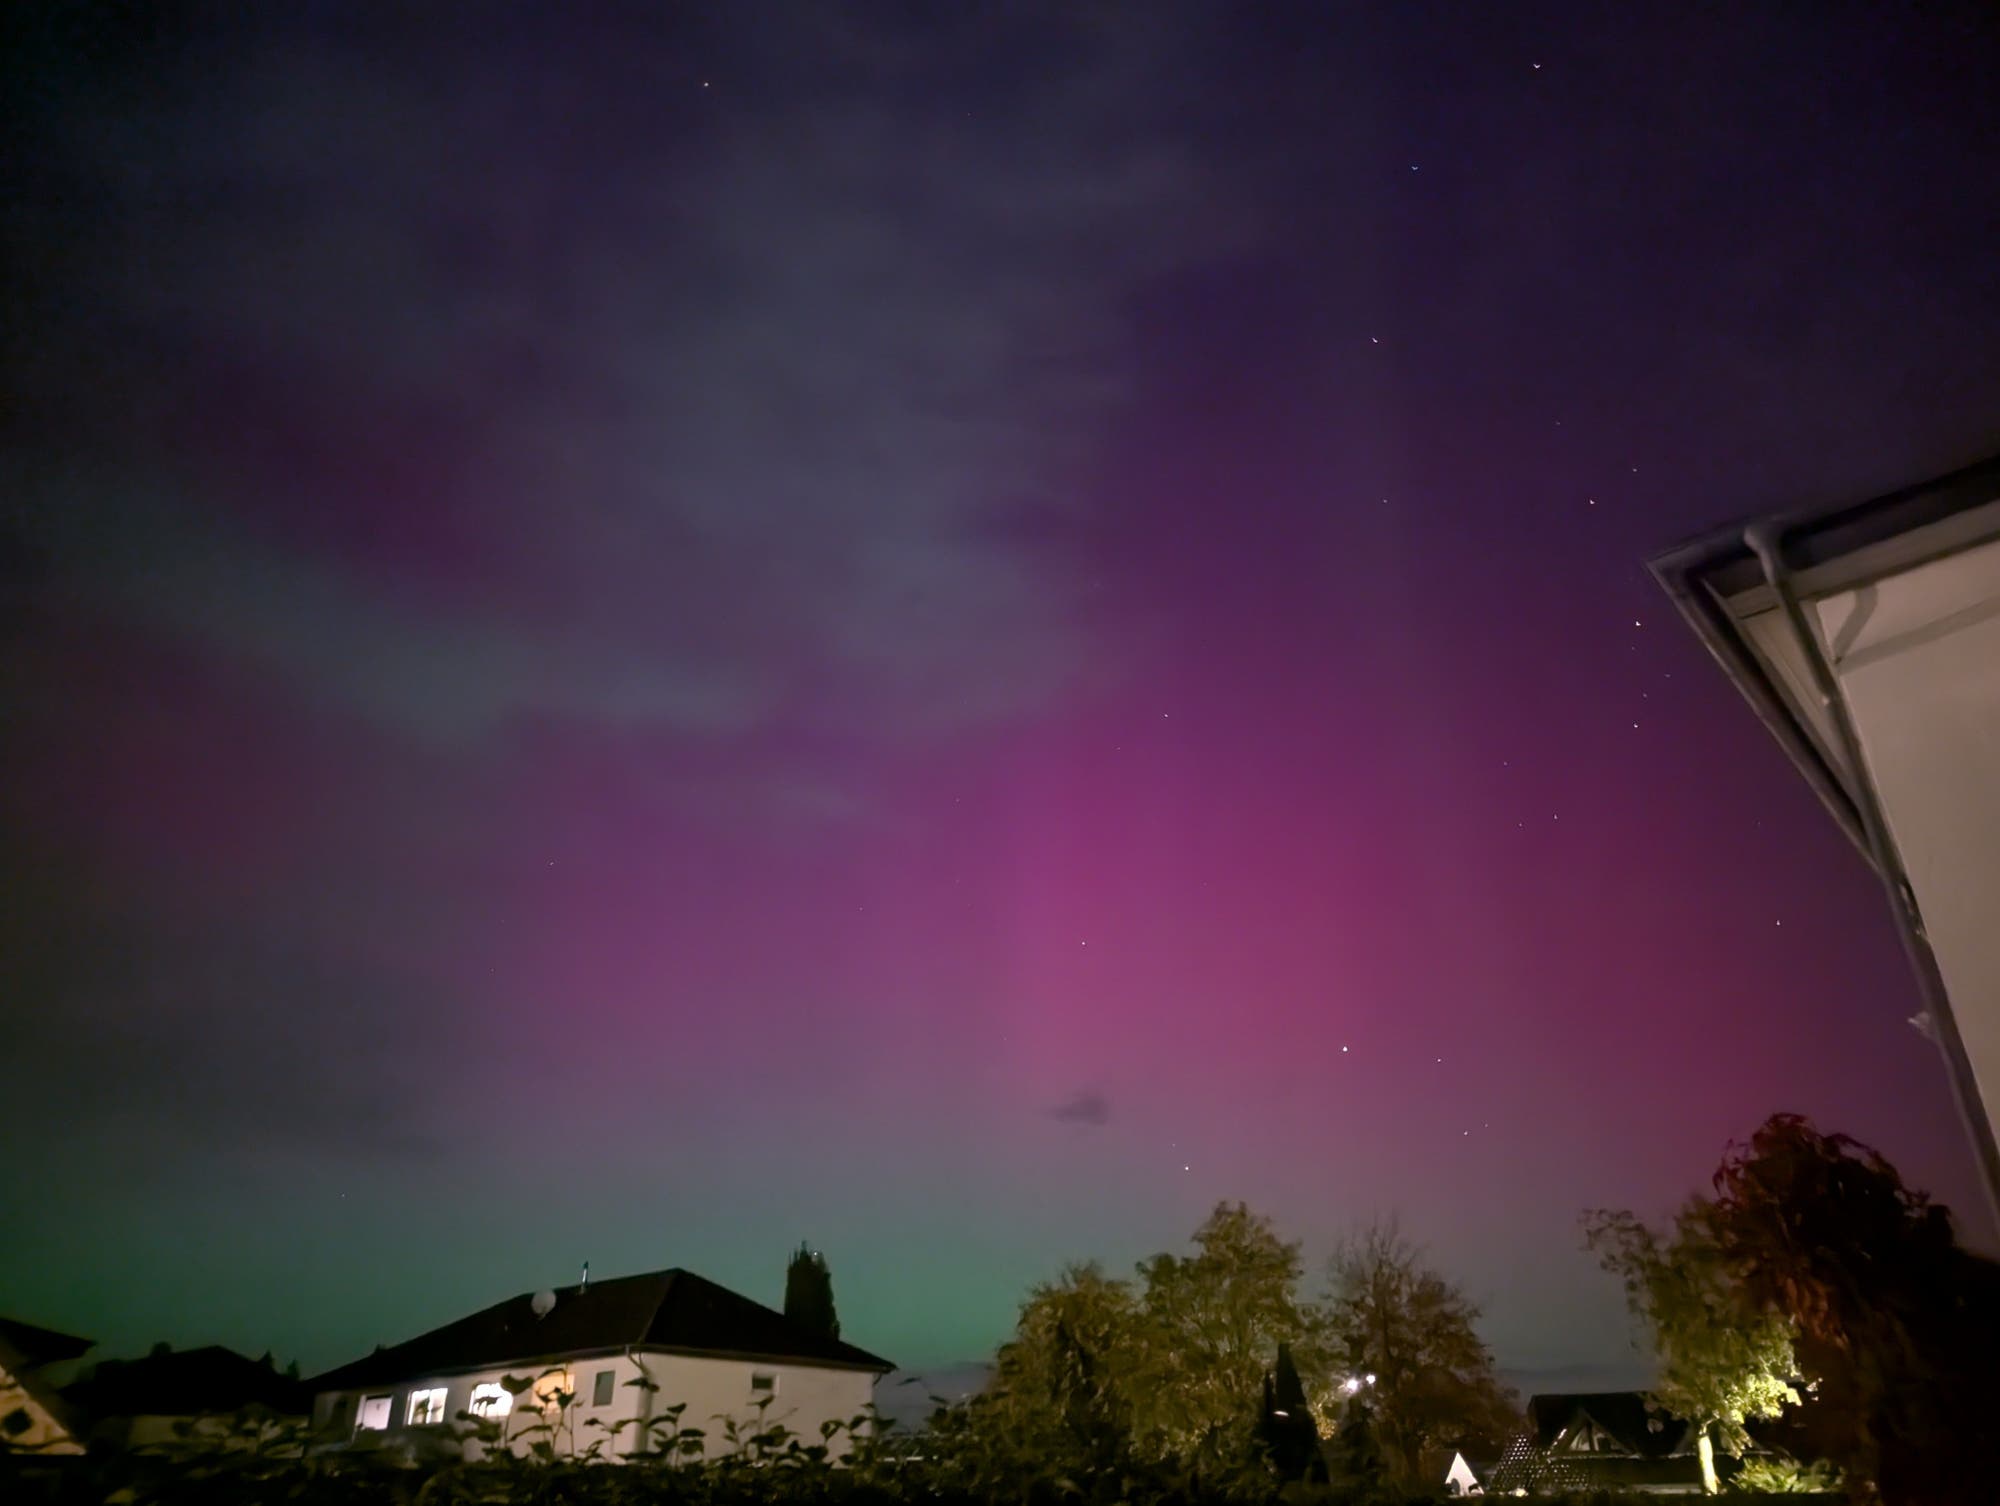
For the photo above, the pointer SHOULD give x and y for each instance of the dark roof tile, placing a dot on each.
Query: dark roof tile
(187, 1383)
(672, 1310)
(40, 1346)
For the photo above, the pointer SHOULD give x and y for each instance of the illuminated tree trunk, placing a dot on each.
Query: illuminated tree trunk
(1705, 1448)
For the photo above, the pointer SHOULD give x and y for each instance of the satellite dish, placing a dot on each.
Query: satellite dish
(542, 1302)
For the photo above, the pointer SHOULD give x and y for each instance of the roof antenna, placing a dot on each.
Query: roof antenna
(586, 1277)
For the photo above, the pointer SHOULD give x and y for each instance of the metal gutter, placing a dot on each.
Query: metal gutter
(1767, 542)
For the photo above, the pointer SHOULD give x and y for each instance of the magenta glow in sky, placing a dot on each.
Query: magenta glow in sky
(637, 642)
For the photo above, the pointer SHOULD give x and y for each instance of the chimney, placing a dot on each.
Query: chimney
(586, 1278)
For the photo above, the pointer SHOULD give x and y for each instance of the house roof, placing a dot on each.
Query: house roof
(187, 1383)
(34, 1346)
(672, 1310)
(1717, 583)
(24, 1350)
(1654, 1457)
(1865, 635)
(1640, 1430)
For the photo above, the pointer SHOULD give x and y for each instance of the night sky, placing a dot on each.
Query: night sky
(635, 635)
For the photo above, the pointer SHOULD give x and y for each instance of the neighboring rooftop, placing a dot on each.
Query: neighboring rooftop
(1624, 1415)
(187, 1383)
(34, 1346)
(673, 1310)
(1596, 1440)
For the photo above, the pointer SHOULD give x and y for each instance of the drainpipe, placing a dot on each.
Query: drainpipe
(1767, 543)
(641, 1439)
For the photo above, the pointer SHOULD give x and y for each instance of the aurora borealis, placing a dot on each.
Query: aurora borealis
(633, 637)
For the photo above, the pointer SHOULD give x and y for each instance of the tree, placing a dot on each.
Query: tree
(809, 1293)
(1390, 1316)
(1063, 1386)
(1287, 1429)
(1894, 1321)
(1722, 1359)
(1169, 1369)
(1813, 1261)
(1358, 1465)
(1210, 1321)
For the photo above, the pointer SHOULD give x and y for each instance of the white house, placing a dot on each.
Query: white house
(1461, 1480)
(211, 1395)
(718, 1356)
(33, 1418)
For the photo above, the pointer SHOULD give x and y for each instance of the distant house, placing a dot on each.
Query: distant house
(176, 1394)
(33, 1417)
(1462, 1477)
(717, 1355)
(1600, 1440)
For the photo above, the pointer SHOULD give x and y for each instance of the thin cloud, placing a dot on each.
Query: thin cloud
(782, 416)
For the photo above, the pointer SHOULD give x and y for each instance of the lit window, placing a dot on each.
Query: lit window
(764, 1384)
(490, 1399)
(600, 1391)
(372, 1414)
(425, 1408)
(554, 1390)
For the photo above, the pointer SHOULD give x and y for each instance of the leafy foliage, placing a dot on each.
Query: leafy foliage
(1782, 1477)
(1211, 1323)
(1814, 1263)
(1391, 1316)
(1723, 1360)
(1894, 1321)
(1065, 1385)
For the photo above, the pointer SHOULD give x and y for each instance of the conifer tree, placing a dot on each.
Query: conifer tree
(809, 1293)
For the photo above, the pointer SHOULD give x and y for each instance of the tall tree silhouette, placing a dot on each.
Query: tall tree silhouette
(1289, 1433)
(809, 1292)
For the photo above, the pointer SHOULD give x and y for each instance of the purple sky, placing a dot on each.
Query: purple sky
(637, 640)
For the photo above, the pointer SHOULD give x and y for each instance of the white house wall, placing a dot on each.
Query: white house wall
(712, 1390)
(1918, 656)
(42, 1434)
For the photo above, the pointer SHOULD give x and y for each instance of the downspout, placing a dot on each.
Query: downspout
(1767, 543)
(642, 1438)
